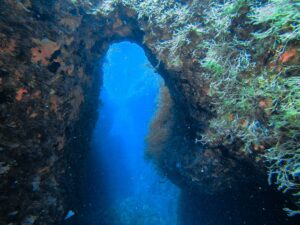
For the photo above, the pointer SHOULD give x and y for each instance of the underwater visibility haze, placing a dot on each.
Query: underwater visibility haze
(149, 112)
(134, 192)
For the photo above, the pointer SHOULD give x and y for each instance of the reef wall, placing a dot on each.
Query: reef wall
(219, 77)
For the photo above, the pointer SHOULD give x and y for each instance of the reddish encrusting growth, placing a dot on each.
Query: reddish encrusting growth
(288, 55)
(20, 93)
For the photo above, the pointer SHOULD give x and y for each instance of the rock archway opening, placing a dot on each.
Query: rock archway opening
(49, 93)
(120, 186)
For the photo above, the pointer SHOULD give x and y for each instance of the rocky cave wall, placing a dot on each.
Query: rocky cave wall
(49, 92)
(49, 82)
(49, 79)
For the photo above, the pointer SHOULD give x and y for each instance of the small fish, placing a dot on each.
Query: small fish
(69, 214)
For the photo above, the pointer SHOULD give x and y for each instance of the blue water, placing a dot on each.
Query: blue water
(125, 189)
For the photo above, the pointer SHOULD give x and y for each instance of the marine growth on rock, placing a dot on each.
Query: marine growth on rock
(225, 130)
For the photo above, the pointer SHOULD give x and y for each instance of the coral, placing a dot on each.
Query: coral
(43, 52)
(288, 55)
(20, 93)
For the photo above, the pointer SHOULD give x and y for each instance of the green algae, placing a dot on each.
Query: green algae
(259, 103)
(254, 92)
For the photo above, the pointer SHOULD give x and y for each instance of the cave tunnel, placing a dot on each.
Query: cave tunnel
(120, 186)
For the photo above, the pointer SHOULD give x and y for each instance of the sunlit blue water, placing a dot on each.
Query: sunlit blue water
(125, 189)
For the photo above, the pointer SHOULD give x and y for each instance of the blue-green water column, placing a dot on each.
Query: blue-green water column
(132, 190)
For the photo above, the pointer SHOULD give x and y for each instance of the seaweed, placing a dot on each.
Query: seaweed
(253, 78)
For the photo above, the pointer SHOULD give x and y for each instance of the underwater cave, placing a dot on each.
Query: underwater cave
(120, 186)
(149, 112)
